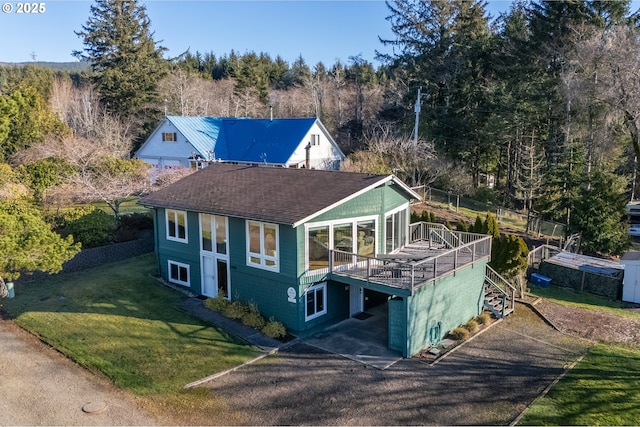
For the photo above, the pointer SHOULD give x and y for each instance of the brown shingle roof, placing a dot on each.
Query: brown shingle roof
(280, 195)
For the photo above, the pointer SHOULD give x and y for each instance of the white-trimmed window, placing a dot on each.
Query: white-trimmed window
(353, 236)
(316, 301)
(169, 137)
(262, 245)
(396, 230)
(179, 273)
(315, 139)
(177, 225)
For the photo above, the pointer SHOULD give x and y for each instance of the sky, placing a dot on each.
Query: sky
(320, 31)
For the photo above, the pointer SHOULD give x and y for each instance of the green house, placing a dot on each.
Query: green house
(312, 248)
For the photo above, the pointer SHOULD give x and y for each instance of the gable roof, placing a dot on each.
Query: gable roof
(245, 139)
(280, 195)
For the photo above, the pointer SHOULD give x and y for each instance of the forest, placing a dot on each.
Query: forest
(537, 109)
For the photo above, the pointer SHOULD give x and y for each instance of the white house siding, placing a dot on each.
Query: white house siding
(166, 155)
(322, 156)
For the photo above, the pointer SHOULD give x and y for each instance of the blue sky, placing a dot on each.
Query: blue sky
(320, 31)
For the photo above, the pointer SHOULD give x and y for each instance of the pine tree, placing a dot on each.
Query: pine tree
(126, 60)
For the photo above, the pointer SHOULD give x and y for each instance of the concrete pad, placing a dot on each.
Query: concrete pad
(364, 341)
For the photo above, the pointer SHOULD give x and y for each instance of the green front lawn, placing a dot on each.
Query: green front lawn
(118, 320)
(603, 389)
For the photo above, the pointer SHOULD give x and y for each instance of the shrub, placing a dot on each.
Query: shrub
(137, 220)
(484, 318)
(217, 304)
(459, 334)
(92, 229)
(253, 318)
(234, 310)
(274, 329)
(462, 225)
(471, 326)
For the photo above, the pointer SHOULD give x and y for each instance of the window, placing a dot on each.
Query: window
(169, 137)
(315, 139)
(316, 301)
(353, 237)
(318, 242)
(213, 228)
(176, 225)
(396, 230)
(179, 273)
(262, 245)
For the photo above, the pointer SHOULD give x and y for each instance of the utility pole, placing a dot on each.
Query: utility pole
(416, 108)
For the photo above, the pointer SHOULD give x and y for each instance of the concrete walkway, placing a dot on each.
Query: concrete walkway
(195, 307)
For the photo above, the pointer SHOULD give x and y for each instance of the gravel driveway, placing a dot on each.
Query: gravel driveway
(487, 381)
(39, 386)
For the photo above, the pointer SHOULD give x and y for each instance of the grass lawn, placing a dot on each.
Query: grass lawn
(603, 389)
(117, 320)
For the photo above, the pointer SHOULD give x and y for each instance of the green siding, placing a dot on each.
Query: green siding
(397, 324)
(265, 288)
(186, 253)
(375, 202)
(441, 306)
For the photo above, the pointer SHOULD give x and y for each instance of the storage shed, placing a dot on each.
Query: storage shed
(631, 283)
(585, 274)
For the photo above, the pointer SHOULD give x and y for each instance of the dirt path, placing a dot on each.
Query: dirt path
(39, 386)
(594, 325)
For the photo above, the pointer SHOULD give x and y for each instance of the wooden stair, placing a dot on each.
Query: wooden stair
(499, 294)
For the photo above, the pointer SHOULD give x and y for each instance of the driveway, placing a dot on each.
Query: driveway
(39, 386)
(489, 380)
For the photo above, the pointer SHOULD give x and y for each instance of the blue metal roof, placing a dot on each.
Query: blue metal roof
(244, 139)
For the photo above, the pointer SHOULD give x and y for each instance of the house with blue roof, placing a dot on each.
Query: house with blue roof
(188, 141)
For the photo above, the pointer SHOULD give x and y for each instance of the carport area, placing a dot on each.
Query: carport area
(363, 338)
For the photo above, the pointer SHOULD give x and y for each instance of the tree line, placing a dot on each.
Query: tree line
(544, 98)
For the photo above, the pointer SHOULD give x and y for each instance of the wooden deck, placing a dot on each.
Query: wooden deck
(416, 264)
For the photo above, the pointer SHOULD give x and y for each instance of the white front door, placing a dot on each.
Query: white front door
(355, 300)
(209, 282)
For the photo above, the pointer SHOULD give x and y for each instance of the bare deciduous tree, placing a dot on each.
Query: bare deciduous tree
(80, 108)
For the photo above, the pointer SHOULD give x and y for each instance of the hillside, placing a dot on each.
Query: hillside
(59, 66)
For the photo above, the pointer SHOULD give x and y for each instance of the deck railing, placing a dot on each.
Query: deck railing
(439, 234)
(502, 285)
(394, 271)
(539, 254)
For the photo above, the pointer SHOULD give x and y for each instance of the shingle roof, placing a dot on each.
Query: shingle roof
(280, 195)
(244, 139)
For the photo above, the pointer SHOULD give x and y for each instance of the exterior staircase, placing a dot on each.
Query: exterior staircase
(499, 294)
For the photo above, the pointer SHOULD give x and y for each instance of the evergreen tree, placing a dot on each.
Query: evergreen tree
(599, 212)
(26, 118)
(491, 226)
(26, 241)
(126, 60)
